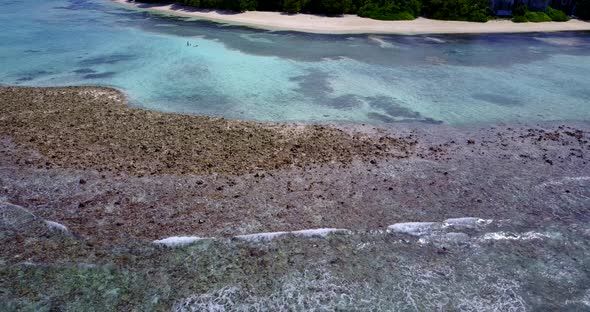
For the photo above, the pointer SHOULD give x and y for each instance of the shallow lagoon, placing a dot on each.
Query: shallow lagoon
(245, 73)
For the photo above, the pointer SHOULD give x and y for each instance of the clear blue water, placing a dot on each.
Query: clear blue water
(285, 76)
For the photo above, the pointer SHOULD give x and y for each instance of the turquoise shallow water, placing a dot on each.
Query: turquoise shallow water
(285, 76)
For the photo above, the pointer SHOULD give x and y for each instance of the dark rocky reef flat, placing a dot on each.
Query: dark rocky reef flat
(92, 128)
(118, 178)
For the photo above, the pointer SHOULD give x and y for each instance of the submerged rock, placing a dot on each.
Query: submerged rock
(17, 219)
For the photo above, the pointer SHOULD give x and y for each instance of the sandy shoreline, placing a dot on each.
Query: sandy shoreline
(352, 24)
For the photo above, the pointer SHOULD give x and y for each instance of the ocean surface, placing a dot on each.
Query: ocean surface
(177, 64)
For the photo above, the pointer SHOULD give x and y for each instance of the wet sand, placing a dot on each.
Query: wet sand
(352, 24)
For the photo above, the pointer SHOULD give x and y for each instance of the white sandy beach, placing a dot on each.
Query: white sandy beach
(352, 24)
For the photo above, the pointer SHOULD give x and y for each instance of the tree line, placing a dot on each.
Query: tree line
(460, 10)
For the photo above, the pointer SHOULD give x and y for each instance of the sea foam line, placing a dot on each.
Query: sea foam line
(563, 180)
(515, 236)
(322, 232)
(180, 241)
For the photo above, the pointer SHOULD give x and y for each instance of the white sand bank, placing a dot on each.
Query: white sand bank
(352, 24)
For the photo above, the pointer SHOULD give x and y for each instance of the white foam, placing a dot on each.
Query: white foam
(261, 236)
(178, 241)
(54, 226)
(382, 43)
(564, 180)
(515, 236)
(323, 232)
(415, 228)
(466, 222)
(586, 299)
(435, 40)
(319, 232)
(561, 41)
(448, 238)
(456, 237)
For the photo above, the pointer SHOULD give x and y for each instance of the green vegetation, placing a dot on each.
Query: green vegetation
(463, 10)
(522, 15)
(557, 15)
(292, 6)
(231, 5)
(460, 10)
(334, 7)
(390, 10)
(537, 17)
(583, 9)
(519, 19)
(519, 10)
